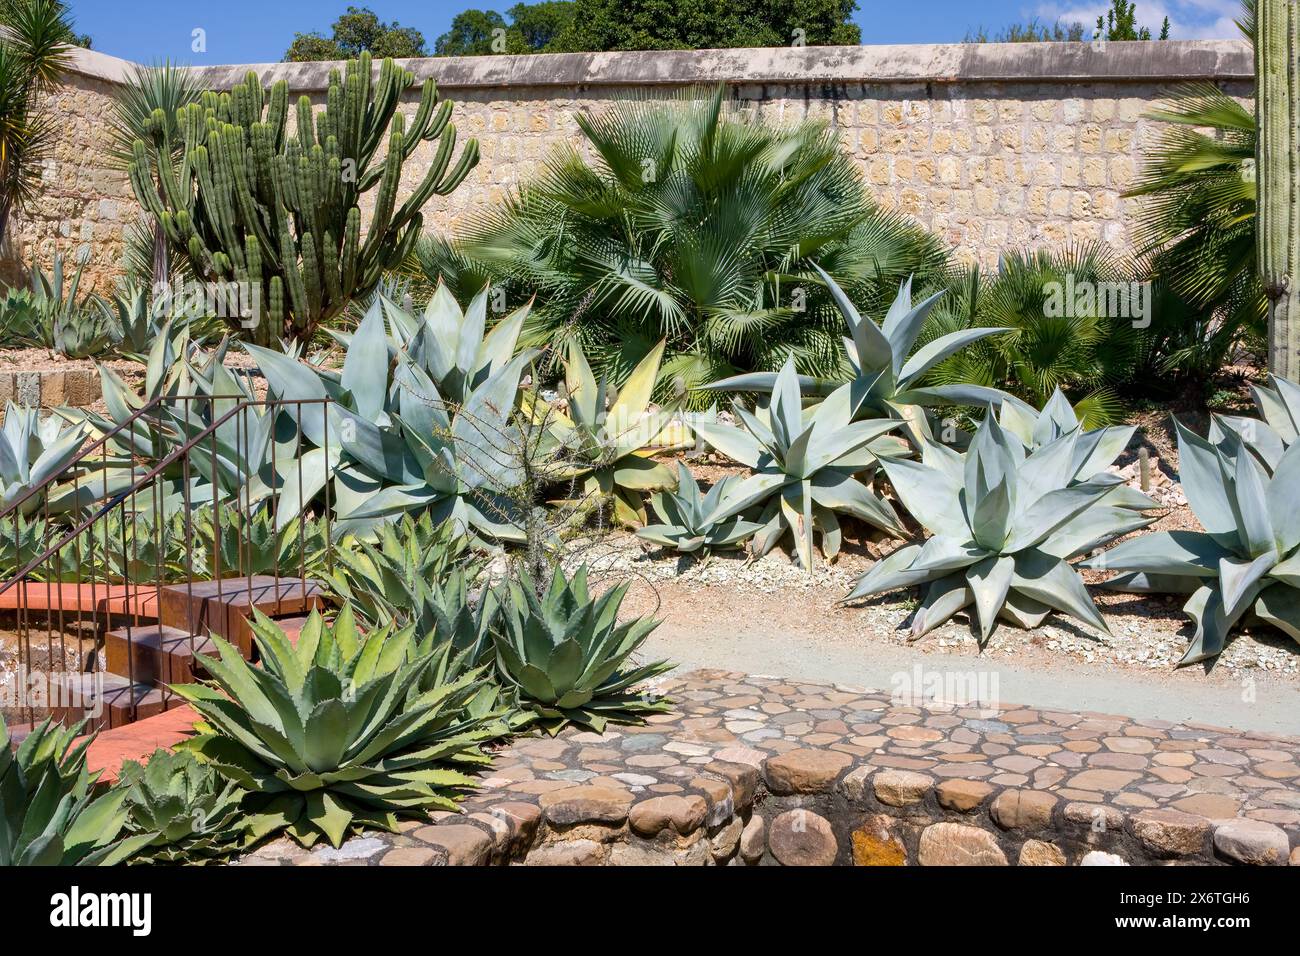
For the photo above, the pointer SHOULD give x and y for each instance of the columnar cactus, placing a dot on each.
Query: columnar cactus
(1277, 71)
(250, 203)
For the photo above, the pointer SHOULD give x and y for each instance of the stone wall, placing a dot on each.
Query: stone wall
(993, 146)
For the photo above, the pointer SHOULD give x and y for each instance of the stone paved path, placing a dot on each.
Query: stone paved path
(756, 770)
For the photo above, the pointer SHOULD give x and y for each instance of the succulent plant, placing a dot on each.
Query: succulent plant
(1004, 524)
(1095, 450)
(1246, 561)
(49, 812)
(605, 446)
(565, 651)
(687, 517)
(333, 733)
(32, 452)
(74, 327)
(187, 811)
(239, 541)
(886, 382)
(805, 462)
(139, 546)
(1269, 436)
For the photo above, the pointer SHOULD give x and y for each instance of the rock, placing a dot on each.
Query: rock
(585, 805)
(854, 784)
(901, 788)
(875, 843)
(802, 838)
(1252, 841)
(682, 814)
(1167, 832)
(464, 843)
(1040, 853)
(962, 795)
(411, 856)
(753, 839)
(523, 819)
(955, 844)
(1098, 858)
(743, 779)
(723, 844)
(568, 853)
(718, 794)
(807, 770)
(1023, 809)
(639, 854)
(1097, 817)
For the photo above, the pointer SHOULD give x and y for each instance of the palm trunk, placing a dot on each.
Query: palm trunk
(1277, 160)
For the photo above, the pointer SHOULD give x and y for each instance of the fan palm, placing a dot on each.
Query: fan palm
(694, 224)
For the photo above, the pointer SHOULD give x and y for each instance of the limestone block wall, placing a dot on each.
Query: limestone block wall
(994, 147)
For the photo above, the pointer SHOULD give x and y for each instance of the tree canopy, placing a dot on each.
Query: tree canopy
(356, 30)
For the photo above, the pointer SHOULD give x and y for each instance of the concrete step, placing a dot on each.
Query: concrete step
(224, 607)
(106, 700)
(157, 654)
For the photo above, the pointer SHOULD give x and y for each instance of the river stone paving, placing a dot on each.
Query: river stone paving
(757, 770)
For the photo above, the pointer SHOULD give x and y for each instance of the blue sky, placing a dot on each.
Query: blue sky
(248, 31)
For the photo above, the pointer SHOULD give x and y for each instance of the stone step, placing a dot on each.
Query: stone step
(223, 607)
(157, 654)
(106, 700)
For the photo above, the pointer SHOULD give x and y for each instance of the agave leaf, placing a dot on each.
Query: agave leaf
(365, 367)
(989, 581)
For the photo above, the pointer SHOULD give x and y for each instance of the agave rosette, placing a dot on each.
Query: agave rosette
(34, 451)
(1004, 523)
(805, 464)
(1269, 436)
(1246, 561)
(687, 516)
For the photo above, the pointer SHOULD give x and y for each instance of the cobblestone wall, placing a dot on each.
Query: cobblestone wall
(994, 147)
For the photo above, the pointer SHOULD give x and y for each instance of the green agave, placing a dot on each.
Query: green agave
(1095, 450)
(1269, 438)
(49, 812)
(236, 542)
(805, 462)
(1246, 561)
(608, 445)
(74, 327)
(687, 517)
(334, 733)
(187, 811)
(564, 652)
(32, 452)
(1004, 524)
(885, 382)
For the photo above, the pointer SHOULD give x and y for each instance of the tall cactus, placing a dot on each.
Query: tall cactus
(1277, 109)
(247, 202)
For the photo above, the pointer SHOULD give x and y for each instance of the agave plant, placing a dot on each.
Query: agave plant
(32, 452)
(241, 542)
(686, 516)
(805, 463)
(74, 327)
(1246, 561)
(49, 813)
(332, 733)
(187, 812)
(886, 382)
(396, 444)
(1269, 436)
(605, 447)
(1004, 525)
(564, 653)
(1095, 450)
(140, 545)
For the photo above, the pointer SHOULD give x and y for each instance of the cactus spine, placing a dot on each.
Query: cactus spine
(1277, 161)
(246, 201)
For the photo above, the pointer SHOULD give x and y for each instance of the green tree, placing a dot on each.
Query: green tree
(707, 24)
(533, 28)
(1120, 23)
(357, 30)
(471, 34)
(1033, 31)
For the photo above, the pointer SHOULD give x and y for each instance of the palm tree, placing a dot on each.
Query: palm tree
(1196, 226)
(35, 45)
(694, 223)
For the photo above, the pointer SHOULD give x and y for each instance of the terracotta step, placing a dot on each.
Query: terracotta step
(121, 599)
(106, 700)
(138, 741)
(223, 607)
(156, 654)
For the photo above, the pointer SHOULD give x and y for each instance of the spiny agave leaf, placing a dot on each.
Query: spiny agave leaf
(1204, 486)
(1206, 609)
(932, 353)
(1280, 500)
(1051, 581)
(873, 352)
(930, 495)
(634, 398)
(365, 366)
(989, 581)
(736, 443)
(990, 519)
(1240, 580)
(1279, 605)
(1247, 496)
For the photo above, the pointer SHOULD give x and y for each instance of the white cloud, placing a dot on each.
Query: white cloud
(1188, 19)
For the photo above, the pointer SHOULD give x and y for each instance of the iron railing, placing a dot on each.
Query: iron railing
(171, 464)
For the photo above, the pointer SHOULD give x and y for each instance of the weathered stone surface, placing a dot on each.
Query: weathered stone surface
(464, 844)
(955, 844)
(643, 854)
(681, 814)
(1252, 841)
(753, 839)
(962, 796)
(568, 853)
(724, 843)
(585, 805)
(807, 770)
(855, 783)
(876, 844)
(1099, 858)
(802, 838)
(1041, 853)
(1166, 832)
(412, 856)
(523, 820)
(901, 788)
(743, 779)
(1023, 809)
